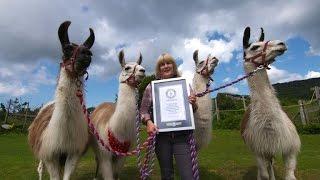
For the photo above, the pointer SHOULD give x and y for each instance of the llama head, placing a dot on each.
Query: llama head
(205, 67)
(76, 58)
(132, 73)
(261, 52)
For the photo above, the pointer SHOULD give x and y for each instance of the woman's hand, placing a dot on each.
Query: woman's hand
(193, 100)
(151, 128)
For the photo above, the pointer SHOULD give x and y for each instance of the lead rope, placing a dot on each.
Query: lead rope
(194, 160)
(146, 168)
(229, 84)
(94, 132)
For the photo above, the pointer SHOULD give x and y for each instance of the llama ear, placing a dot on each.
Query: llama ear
(195, 56)
(261, 35)
(209, 56)
(63, 33)
(121, 58)
(89, 42)
(140, 59)
(246, 37)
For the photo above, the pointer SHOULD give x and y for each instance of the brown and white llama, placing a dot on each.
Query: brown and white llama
(266, 128)
(116, 122)
(203, 115)
(59, 135)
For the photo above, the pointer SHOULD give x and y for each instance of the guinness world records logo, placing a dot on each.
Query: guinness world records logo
(171, 93)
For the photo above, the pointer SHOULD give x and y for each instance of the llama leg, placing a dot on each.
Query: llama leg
(70, 165)
(97, 168)
(262, 164)
(290, 162)
(53, 168)
(40, 169)
(117, 164)
(106, 166)
(270, 169)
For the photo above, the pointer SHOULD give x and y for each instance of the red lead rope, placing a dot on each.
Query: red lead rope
(100, 140)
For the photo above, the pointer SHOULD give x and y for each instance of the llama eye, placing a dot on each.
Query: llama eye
(253, 48)
(127, 68)
(201, 62)
(89, 53)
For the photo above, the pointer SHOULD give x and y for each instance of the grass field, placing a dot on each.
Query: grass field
(226, 158)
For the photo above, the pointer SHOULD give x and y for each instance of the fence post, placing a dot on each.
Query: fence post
(217, 109)
(317, 92)
(302, 112)
(25, 115)
(244, 103)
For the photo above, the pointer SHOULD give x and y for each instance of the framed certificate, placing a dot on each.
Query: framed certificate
(171, 108)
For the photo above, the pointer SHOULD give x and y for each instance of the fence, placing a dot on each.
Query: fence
(21, 119)
(303, 113)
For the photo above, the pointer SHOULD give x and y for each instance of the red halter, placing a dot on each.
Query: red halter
(263, 58)
(132, 76)
(71, 60)
(205, 68)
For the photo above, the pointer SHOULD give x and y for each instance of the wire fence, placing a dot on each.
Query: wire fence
(302, 113)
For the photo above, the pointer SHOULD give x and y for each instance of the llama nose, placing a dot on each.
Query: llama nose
(281, 44)
(142, 70)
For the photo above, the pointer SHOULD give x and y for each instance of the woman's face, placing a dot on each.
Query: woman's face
(166, 70)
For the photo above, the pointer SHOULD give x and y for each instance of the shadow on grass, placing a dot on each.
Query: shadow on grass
(252, 172)
(132, 173)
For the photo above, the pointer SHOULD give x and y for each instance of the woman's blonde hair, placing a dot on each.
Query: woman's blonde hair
(166, 58)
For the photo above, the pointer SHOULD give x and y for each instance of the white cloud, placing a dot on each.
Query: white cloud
(312, 74)
(152, 27)
(20, 79)
(15, 89)
(231, 89)
(226, 79)
(279, 75)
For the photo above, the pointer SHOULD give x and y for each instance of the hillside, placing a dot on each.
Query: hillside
(291, 92)
(288, 93)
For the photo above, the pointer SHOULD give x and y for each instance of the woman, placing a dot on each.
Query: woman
(168, 144)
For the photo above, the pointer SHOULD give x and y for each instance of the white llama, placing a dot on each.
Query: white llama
(266, 128)
(116, 122)
(59, 134)
(203, 115)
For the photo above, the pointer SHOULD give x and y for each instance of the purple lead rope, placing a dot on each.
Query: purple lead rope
(229, 84)
(194, 160)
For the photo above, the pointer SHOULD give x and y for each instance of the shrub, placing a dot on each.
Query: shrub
(309, 129)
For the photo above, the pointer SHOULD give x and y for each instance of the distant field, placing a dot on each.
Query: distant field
(226, 158)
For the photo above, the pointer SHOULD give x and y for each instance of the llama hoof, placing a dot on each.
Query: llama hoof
(290, 177)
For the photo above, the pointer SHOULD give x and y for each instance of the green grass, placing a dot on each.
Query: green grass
(226, 158)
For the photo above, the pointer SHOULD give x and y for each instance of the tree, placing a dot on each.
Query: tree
(144, 83)
(2, 107)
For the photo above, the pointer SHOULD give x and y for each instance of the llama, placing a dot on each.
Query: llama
(59, 135)
(203, 115)
(116, 122)
(265, 127)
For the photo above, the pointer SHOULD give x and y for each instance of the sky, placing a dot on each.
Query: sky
(30, 51)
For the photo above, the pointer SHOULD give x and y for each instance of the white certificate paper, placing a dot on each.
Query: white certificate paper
(172, 103)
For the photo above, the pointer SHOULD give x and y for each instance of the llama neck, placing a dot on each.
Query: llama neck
(203, 114)
(66, 101)
(67, 87)
(122, 122)
(199, 82)
(261, 90)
